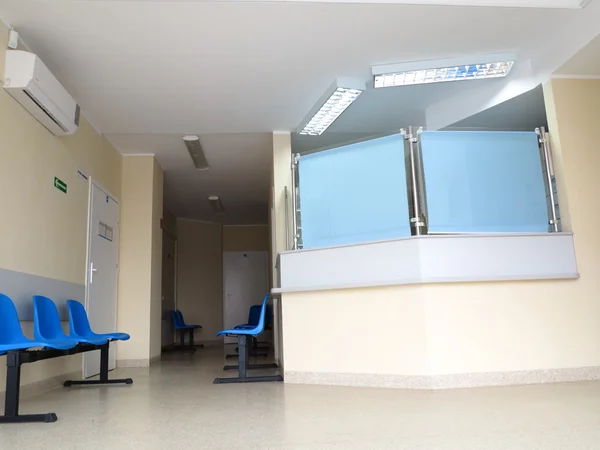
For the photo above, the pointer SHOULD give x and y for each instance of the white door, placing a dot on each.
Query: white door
(245, 283)
(103, 254)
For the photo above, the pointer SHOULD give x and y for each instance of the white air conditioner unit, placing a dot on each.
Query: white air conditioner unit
(30, 82)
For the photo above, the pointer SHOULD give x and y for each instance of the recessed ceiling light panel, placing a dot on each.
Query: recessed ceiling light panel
(427, 72)
(331, 105)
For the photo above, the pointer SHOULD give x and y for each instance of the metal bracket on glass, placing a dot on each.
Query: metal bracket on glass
(416, 222)
(414, 178)
(546, 154)
(295, 209)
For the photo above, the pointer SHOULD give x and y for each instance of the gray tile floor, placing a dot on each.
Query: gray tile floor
(174, 405)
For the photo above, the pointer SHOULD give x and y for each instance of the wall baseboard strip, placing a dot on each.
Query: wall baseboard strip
(37, 387)
(134, 362)
(450, 381)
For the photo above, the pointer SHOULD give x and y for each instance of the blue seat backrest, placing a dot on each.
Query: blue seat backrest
(269, 316)
(46, 321)
(79, 322)
(180, 317)
(254, 314)
(263, 312)
(176, 320)
(10, 327)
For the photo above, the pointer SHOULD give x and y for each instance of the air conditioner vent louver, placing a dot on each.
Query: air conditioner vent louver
(50, 116)
(32, 85)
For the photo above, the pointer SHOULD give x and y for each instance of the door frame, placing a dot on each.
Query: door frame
(175, 256)
(91, 183)
(224, 299)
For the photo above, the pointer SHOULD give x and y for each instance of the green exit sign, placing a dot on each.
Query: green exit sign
(60, 185)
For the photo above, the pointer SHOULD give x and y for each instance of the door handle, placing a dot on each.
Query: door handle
(92, 270)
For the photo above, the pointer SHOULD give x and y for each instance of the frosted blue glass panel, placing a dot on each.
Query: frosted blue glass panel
(355, 193)
(484, 182)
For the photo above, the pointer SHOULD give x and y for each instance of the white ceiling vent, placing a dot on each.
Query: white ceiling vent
(192, 142)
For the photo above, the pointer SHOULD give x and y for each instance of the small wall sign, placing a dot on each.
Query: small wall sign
(60, 185)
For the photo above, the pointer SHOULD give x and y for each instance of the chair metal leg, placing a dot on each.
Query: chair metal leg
(244, 356)
(248, 379)
(244, 353)
(13, 384)
(254, 352)
(104, 353)
(192, 345)
(253, 366)
(29, 418)
(13, 391)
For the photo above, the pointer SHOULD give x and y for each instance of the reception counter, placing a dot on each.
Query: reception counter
(441, 311)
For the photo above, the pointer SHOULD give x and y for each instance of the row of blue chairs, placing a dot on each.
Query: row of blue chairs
(256, 348)
(183, 328)
(47, 328)
(49, 341)
(244, 334)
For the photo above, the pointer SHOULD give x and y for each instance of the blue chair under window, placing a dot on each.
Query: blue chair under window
(256, 348)
(244, 335)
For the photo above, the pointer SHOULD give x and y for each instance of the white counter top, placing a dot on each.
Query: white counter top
(430, 259)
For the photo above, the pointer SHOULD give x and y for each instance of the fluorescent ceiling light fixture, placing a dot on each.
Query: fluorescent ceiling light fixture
(439, 71)
(192, 142)
(331, 105)
(216, 204)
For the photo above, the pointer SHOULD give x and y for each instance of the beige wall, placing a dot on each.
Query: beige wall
(245, 238)
(475, 327)
(45, 230)
(200, 276)
(156, 270)
(281, 179)
(355, 331)
(140, 260)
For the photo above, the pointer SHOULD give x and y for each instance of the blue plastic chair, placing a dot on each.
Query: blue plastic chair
(254, 317)
(46, 323)
(249, 330)
(178, 321)
(182, 322)
(11, 334)
(244, 334)
(182, 327)
(79, 325)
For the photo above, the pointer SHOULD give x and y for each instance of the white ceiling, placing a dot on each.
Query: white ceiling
(586, 63)
(147, 72)
(526, 112)
(239, 174)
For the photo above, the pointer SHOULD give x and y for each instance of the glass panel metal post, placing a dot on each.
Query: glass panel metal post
(548, 166)
(415, 183)
(295, 204)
